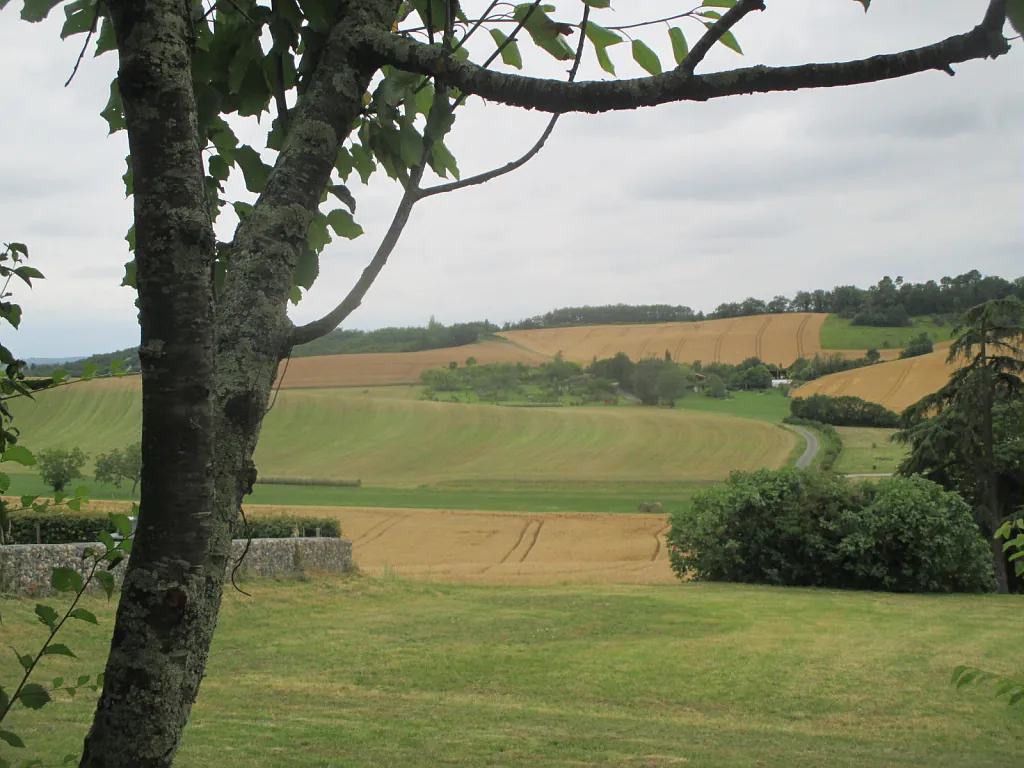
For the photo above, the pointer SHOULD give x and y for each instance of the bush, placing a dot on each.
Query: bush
(802, 528)
(919, 345)
(63, 528)
(845, 411)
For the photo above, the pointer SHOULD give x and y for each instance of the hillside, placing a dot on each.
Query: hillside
(777, 339)
(896, 384)
(344, 434)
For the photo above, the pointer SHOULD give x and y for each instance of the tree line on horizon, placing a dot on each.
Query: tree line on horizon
(888, 303)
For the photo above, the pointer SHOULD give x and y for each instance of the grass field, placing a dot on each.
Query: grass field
(773, 338)
(867, 450)
(382, 672)
(769, 405)
(895, 384)
(837, 333)
(392, 442)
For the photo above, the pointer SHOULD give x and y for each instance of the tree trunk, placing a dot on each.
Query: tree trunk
(206, 380)
(155, 655)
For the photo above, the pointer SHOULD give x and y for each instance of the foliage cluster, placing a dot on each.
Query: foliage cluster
(285, 527)
(919, 345)
(843, 411)
(809, 369)
(608, 314)
(409, 339)
(832, 441)
(60, 466)
(120, 465)
(803, 528)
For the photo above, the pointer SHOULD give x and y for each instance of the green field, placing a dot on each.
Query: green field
(837, 333)
(770, 405)
(365, 672)
(402, 443)
(867, 450)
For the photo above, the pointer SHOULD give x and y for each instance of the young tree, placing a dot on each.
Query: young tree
(673, 382)
(213, 315)
(715, 387)
(59, 466)
(967, 436)
(120, 465)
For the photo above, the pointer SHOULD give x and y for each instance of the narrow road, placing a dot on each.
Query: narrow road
(812, 446)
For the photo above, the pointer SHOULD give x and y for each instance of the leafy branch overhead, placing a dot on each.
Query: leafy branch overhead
(236, 75)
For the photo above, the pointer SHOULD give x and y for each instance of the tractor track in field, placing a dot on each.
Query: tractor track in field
(533, 541)
(800, 336)
(898, 383)
(721, 340)
(378, 530)
(759, 338)
(657, 540)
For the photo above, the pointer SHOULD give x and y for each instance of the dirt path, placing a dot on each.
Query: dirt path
(812, 446)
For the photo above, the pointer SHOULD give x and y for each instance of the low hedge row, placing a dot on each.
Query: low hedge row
(62, 528)
(833, 445)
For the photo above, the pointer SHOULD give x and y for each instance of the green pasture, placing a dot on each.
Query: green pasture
(768, 405)
(392, 442)
(867, 450)
(837, 333)
(365, 672)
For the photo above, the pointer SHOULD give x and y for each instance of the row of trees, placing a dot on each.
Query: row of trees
(59, 467)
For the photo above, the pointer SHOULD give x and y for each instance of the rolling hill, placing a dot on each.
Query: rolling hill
(777, 339)
(385, 441)
(896, 384)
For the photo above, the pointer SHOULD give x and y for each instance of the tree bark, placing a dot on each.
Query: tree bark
(206, 380)
(154, 658)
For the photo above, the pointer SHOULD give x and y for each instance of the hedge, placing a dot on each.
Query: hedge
(844, 411)
(62, 528)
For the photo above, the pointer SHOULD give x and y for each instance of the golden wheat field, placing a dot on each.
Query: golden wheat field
(895, 384)
(364, 370)
(777, 339)
(494, 547)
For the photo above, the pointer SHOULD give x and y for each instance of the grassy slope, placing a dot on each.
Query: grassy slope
(405, 443)
(837, 333)
(868, 450)
(769, 405)
(362, 672)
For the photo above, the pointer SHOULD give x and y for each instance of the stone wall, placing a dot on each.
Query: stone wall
(25, 568)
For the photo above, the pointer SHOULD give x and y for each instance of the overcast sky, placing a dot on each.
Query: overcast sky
(692, 204)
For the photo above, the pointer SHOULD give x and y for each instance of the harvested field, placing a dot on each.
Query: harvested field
(895, 384)
(396, 367)
(502, 547)
(773, 338)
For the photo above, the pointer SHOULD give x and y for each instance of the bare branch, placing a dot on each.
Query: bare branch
(715, 32)
(482, 178)
(314, 330)
(984, 41)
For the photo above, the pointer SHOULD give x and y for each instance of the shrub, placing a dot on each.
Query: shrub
(919, 345)
(284, 527)
(845, 411)
(802, 528)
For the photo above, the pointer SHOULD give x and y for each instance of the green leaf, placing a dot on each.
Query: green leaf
(253, 168)
(344, 194)
(37, 10)
(865, 3)
(679, 46)
(34, 696)
(342, 223)
(107, 40)
(646, 58)
(106, 580)
(546, 33)
(12, 738)
(79, 16)
(307, 270)
(129, 273)
(598, 3)
(719, 3)
(729, 41)
(1014, 14)
(58, 682)
(47, 615)
(122, 523)
(363, 162)
(113, 112)
(25, 660)
(66, 580)
(4, 699)
(510, 53)
(19, 454)
(84, 615)
(107, 540)
(59, 649)
(602, 39)
(126, 546)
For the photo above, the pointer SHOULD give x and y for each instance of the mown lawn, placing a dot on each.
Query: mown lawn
(769, 405)
(365, 672)
(837, 333)
(867, 450)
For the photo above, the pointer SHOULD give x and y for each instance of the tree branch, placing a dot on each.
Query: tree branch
(984, 41)
(314, 330)
(482, 178)
(715, 32)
